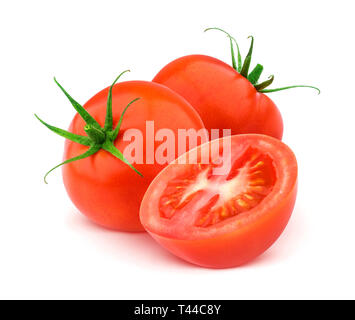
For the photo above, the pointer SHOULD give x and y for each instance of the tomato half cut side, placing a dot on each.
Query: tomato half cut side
(223, 218)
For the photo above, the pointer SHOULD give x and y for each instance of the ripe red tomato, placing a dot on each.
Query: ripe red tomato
(225, 220)
(104, 188)
(222, 97)
(226, 97)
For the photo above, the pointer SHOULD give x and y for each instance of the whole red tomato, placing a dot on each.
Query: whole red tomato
(106, 189)
(225, 97)
(223, 220)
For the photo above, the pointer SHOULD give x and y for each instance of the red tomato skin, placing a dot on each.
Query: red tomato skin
(102, 187)
(255, 234)
(223, 98)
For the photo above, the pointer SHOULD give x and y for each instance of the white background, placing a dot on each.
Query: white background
(49, 250)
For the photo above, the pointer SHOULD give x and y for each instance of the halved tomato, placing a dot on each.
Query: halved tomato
(221, 214)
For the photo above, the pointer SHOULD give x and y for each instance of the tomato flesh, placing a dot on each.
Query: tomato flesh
(212, 199)
(227, 219)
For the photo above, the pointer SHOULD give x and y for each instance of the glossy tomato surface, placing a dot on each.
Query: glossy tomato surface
(104, 188)
(223, 98)
(223, 219)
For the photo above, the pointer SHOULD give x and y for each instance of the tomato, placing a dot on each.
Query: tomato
(226, 219)
(104, 188)
(224, 96)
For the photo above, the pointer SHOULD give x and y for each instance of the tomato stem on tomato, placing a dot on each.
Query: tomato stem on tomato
(109, 146)
(91, 151)
(231, 39)
(264, 84)
(108, 120)
(97, 137)
(245, 68)
(289, 87)
(82, 112)
(67, 135)
(254, 75)
(118, 127)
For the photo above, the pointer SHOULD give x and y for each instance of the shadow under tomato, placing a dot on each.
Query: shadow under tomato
(141, 249)
(287, 244)
(137, 247)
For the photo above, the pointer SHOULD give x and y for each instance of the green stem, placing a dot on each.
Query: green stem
(254, 76)
(289, 87)
(264, 84)
(108, 146)
(118, 127)
(66, 134)
(82, 112)
(108, 120)
(247, 60)
(231, 39)
(86, 154)
(98, 136)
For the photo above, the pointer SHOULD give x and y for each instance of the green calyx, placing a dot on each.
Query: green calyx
(254, 75)
(97, 137)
